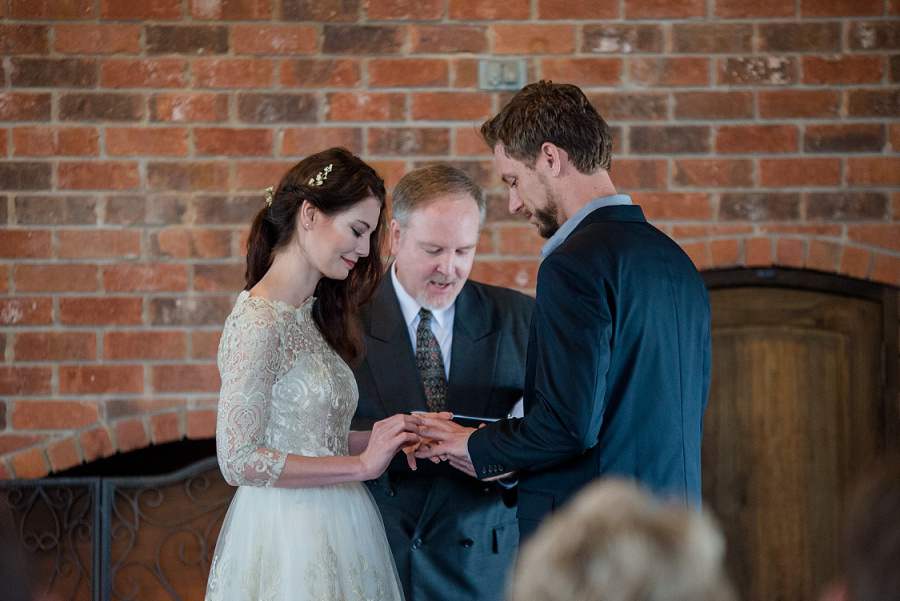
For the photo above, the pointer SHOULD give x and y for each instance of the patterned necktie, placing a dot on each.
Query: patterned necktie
(431, 363)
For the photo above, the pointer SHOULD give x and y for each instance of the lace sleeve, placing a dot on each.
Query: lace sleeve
(248, 363)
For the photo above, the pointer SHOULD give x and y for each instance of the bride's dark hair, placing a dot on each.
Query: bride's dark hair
(348, 182)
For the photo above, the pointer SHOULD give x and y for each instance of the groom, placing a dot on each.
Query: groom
(452, 537)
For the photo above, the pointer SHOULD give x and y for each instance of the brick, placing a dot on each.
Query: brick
(144, 277)
(664, 9)
(465, 72)
(187, 108)
(799, 172)
(235, 210)
(200, 423)
(874, 35)
(488, 10)
(127, 10)
(846, 205)
(583, 71)
(24, 39)
(448, 39)
(25, 244)
(149, 210)
(6, 472)
(852, 137)
(675, 139)
(146, 141)
(101, 106)
(29, 464)
(143, 73)
(221, 277)
(757, 252)
(187, 176)
(233, 72)
(855, 262)
(205, 345)
(301, 140)
(894, 68)
(191, 311)
(621, 38)
(390, 171)
(712, 38)
(96, 443)
(717, 173)
(632, 174)
(519, 240)
(51, 9)
(55, 141)
(840, 8)
(880, 236)
(25, 175)
(16, 381)
(104, 175)
(185, 378)
(790, 252)
(680, 206)
(405, 141)
(635, 106)
(101, 379)
(771, 70)
(799, 36)
(54, 415)
(26, 311)
(63, 454)
(714, 105)
(756, 139)
(724, 253)
(366, 106)
(315, 10)
(186, 39)
(759, 206)
(166, 428)
(842, 69)
(583, 9)
(100, 311)
(669, 72)
(319, 73)
(275, 39)
(97, 38)
(15, 442)
(534, 39)
(803, 229)
(52, 210)
(894, 135)
(451, 106)
(144, 344)
(467, 142)
(873, 103)
(741, 9)
(873, 171)
(259, 175)
(886, 269)
(408, 72)
(19, 106)
(511, 273)
(98, 244)
(362, 39)
(139, 407)
(231, 10)
(55, 277)
(698, 253)
(47, 72)
(411, 10)
(804, 104)
(277, 108)
(55, 346)
(130, 435)
(176, 242)
(227, 141)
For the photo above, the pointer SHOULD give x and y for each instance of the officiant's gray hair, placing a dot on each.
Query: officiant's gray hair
(422, 186)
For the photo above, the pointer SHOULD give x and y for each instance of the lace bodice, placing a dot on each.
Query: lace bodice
(284, 390)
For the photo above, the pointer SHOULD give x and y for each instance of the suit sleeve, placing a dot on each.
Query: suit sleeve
(571, 347)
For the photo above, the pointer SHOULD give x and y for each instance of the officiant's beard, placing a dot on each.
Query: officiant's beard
(437, 300)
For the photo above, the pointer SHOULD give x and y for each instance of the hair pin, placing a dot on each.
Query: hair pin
(320, 177)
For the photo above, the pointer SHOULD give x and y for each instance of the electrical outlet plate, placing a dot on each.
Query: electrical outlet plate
(494, 74)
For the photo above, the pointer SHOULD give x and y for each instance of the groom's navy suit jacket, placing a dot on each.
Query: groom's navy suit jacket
(618, 369)
(452, 536)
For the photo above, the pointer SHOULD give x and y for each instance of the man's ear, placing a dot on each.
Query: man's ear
(394, 236)
(550, 158)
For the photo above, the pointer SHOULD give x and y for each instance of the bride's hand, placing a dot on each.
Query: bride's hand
(389, 436)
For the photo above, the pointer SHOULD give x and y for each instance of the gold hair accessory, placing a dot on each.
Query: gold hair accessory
(320, 177)
(270, 195)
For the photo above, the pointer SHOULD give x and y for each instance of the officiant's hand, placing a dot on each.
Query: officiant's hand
(448, 441)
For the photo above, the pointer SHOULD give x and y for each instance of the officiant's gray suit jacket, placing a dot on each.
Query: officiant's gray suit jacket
(453, 537)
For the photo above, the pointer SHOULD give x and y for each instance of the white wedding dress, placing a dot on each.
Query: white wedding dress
(285, 390)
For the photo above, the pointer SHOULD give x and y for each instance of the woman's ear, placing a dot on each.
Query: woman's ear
(307, 214)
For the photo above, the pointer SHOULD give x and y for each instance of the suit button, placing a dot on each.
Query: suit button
(390, 492)
(417, 543)
(467, 543)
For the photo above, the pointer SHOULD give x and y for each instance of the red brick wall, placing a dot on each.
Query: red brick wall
(138, 136)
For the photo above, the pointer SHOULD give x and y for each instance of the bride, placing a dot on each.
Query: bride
(301, 525)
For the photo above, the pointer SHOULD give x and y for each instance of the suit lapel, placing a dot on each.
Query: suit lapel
(474, 354)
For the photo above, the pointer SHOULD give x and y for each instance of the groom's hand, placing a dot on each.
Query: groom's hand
(448, 441)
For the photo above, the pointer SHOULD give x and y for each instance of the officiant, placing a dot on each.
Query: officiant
(436, 341)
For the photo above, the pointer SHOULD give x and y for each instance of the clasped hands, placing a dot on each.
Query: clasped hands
(442, 440)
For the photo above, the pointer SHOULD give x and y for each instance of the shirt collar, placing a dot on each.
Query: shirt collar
(410, 307)
(573, 221)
